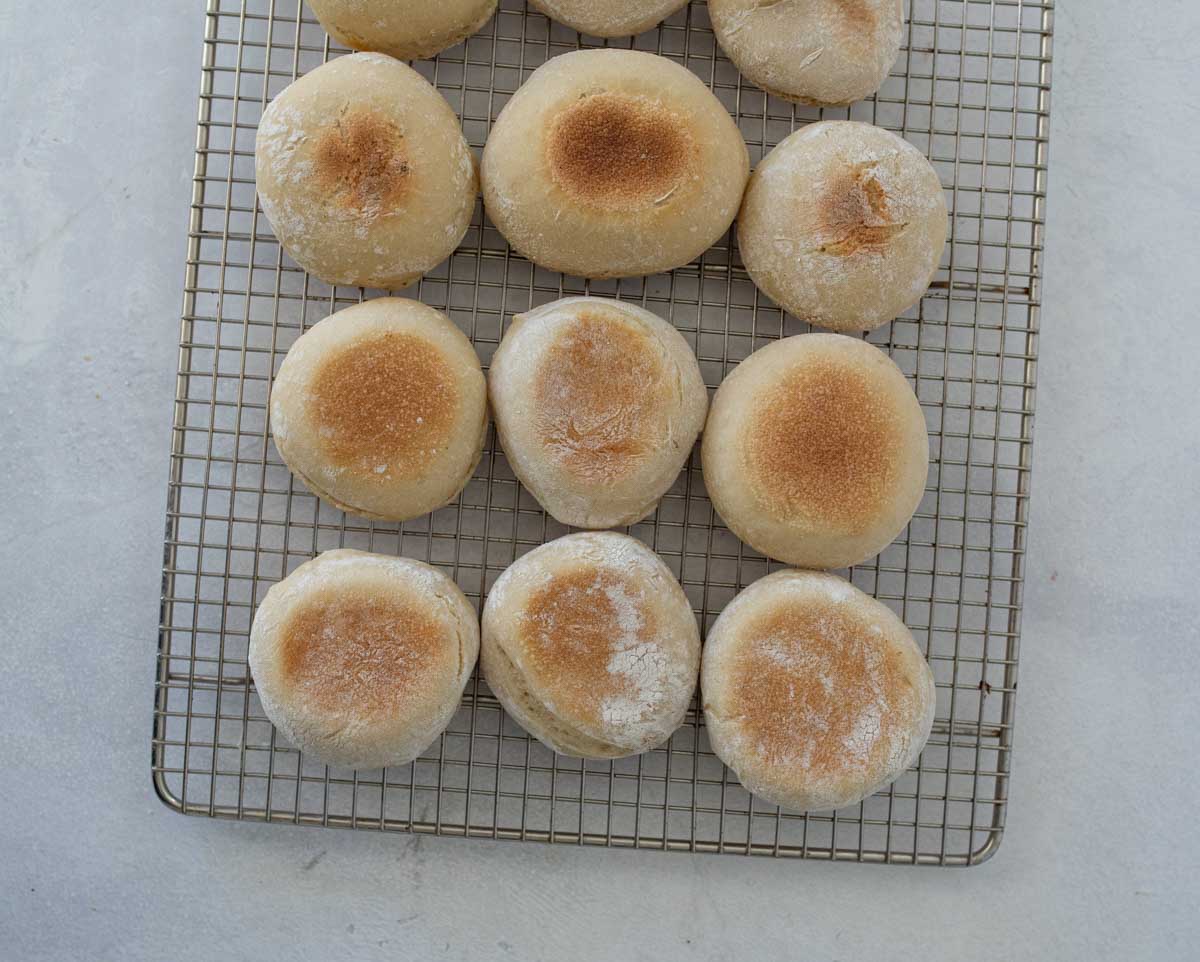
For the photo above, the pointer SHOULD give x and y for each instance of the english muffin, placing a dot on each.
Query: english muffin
(613, 163)
(816, 451)
(815, 694)
(591, 645)
(381, 409)
(598, 404)
(364, 174)
(361, 659)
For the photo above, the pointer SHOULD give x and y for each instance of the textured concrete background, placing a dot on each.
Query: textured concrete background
(97, 110)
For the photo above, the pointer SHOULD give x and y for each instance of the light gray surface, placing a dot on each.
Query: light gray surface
(97, 114)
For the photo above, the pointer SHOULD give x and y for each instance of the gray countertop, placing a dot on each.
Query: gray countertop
(1099, 859)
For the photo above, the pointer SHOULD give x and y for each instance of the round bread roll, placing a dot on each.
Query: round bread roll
(843, 225)
(815, 451)
(815, 694)
(361, 659)
(364, 174)
(405, 29)
(821, 52)
(381, 409)
(613, 163)
(609, 18)
(590, 644)
(597, 404)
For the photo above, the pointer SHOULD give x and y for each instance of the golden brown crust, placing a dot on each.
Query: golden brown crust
(570, 629)
(597, 391)
(362, 162)
(858, 14)
(618, 152)
(816, 687)
(852, 214)
(358, 653)
(387, 401)
(825, 441)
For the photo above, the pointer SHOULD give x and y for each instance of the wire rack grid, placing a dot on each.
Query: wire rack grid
(971, 90)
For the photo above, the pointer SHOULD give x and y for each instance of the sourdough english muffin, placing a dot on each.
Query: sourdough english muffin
(609, 18)
(598, 404)
(362, 659)
(364, 174)
(381, 409)
(820, 52)
(591, 645)
(815, 451)
(406, 29)
(613, 163)
(815, 694)
(843, 225)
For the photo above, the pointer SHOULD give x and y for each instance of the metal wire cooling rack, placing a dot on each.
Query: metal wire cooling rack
(971, 90)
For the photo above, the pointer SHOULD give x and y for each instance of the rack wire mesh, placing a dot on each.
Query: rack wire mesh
(971, 90)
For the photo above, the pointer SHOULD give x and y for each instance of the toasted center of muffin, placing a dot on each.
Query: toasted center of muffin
(818, 689)
(853, 213)
(601, 392)
(360, 654)
(363, 162)
(858, 13)
(385, 405)
(618, 152)
(824, 443)
(589, 642)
